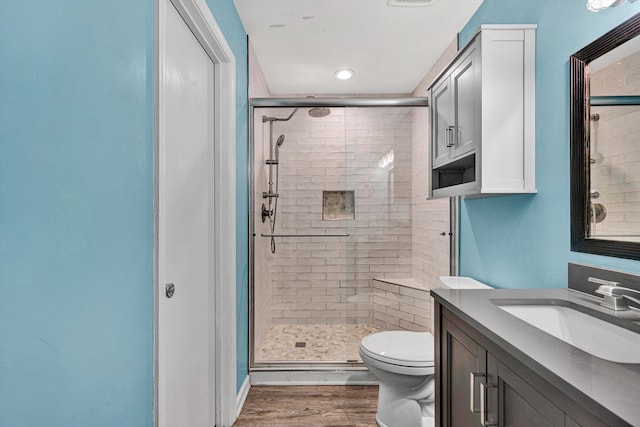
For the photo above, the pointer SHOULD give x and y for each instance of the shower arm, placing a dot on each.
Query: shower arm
(279, 119)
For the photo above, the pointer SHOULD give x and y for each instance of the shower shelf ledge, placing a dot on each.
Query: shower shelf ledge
(305, 235)
(407, 283)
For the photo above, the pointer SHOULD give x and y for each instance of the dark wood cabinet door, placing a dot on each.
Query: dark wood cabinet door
(518, 403)
(461, 357)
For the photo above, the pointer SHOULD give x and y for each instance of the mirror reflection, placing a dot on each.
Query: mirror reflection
(614, 144)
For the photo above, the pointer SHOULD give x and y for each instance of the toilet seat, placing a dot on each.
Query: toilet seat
(400, 348)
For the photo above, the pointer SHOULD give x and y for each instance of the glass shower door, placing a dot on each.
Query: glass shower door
(337, 251)
(301, 247)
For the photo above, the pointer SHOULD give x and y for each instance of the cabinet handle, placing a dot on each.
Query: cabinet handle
(483, 406)
(450, 139)
(472, 389)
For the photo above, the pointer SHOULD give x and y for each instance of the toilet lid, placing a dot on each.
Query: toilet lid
(400, 347)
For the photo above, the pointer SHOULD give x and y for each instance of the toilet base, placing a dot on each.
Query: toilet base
(426, 422)
(406, 407)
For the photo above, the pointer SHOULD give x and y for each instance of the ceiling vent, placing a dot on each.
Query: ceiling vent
(411, 3)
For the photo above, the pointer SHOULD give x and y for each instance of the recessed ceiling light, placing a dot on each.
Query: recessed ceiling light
(277, 25)
(344, 74)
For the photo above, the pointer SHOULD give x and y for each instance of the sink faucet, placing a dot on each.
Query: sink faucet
(614, 295)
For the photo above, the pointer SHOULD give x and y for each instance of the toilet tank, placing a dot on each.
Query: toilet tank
(458, 282)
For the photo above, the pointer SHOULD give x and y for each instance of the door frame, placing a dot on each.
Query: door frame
(203, 25)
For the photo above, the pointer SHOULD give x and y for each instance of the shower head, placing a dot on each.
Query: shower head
(280, 141)
(319, 112)
(315, 112)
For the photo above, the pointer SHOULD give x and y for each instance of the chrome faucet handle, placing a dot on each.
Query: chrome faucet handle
(602, 282)
(611, 300)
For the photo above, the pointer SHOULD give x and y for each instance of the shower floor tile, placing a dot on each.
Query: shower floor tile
(317, 343)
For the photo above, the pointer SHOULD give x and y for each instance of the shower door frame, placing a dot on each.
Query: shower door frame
(300, 103)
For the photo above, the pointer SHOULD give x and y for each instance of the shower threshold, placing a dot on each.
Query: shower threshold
(313, 376)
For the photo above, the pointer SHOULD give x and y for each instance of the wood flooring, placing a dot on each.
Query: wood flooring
(309, 406)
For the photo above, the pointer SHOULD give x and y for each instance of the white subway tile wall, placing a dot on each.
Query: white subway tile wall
(398, 307)
(327, 280)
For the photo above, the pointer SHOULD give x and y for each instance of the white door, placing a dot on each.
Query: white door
(186, 368)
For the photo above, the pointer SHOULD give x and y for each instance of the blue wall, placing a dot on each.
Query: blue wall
(76, 212)
(229, 22)
(76, 209)
(524, 241)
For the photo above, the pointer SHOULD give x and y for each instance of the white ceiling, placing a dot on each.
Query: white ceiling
(301, 43)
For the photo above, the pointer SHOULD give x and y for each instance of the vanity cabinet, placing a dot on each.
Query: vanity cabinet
(483, 116)
(479, 384)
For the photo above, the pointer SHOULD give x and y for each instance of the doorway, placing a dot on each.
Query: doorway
(195, 214)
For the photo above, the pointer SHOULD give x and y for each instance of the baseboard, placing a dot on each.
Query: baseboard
(242, 395)
(362, 377)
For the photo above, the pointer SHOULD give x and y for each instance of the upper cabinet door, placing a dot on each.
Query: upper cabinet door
(455, 103)
(466, 84)
(442, 119)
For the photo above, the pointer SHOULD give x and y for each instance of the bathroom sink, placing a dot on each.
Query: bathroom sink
(590, 334)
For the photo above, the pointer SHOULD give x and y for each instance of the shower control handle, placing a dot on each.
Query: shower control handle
(266, 213)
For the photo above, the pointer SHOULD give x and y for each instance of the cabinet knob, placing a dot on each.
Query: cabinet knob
(169, 289)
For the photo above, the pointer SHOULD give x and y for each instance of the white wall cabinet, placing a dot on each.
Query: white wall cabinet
(483, 116)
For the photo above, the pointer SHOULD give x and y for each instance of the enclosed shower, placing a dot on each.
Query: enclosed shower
(344, 242)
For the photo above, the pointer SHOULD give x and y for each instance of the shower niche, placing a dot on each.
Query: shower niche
(338, 232)
(338, 205)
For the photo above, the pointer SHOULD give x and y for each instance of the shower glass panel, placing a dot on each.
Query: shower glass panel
(335, 193)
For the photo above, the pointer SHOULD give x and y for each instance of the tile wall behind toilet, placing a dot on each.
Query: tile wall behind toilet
(328, 280)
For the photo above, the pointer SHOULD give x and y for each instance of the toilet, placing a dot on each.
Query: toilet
(403, 363)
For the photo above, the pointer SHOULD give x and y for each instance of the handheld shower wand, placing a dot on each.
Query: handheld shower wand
(272, 213)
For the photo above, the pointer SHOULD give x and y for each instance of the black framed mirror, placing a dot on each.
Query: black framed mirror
(605, 143)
